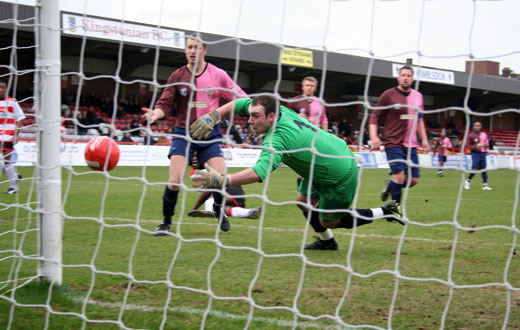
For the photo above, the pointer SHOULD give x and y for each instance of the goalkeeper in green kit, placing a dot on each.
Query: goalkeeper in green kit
(331, 170)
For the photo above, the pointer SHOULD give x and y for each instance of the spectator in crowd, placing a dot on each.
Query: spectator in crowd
(451, 125)
(125, 105)
(106, 105)
(65, 111)
(433, 124)
(365, 137)
(91, 101)
(236, 135)
(344, 128)
(120, 112)
(134, 125)
(243, 133)
(82, 101)
(452, 129)
(82, 129)
(255, 141)
(131, 104)
(134, 104)
(232, 131)
(67, 98)
(92, 118)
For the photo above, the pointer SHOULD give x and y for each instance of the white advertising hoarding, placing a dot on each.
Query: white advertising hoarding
(130, 155)
(425, 74)
(141, 155)
(118, 30)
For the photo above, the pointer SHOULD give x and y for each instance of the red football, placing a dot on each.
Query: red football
(100, 150)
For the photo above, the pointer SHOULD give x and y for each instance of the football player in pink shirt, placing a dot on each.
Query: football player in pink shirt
(309, 106)
(402, 122)
(478, 143)
(442, 145)
(194, 90)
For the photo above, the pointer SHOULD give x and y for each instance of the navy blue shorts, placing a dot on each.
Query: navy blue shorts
(442, 158)
(478, 160)
(205, 149)
(401, 153)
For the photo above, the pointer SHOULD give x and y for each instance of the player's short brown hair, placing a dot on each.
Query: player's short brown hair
(267, 101)
(309, 78)
(199, 38)
(406, 67)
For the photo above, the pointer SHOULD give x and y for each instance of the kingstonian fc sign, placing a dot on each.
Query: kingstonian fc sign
(117, 31)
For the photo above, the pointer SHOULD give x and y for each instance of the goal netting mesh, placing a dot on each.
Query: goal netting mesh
(453, 265)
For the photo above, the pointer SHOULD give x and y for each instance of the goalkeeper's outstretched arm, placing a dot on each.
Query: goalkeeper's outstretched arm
(244, 177)
(226, 109)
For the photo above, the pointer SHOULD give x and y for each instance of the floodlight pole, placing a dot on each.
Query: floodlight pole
(48, 65)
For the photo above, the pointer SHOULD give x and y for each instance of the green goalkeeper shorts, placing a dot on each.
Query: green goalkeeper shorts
(332, 197)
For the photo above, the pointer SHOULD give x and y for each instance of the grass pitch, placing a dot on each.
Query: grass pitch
(454, 256)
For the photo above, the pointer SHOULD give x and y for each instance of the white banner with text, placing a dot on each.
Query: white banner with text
(141, 155)
(117, 30)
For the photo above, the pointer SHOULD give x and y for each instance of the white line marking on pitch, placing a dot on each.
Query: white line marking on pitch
(362, 194)
(336, 233)
(200, 311)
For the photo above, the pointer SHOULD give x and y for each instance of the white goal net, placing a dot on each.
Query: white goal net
(77, 246)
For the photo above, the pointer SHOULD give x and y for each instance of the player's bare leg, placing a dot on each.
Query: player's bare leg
(326, 240)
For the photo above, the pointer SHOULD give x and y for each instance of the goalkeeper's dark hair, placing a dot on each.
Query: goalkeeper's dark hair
(267, 101)
(406, 67)
(199, 38)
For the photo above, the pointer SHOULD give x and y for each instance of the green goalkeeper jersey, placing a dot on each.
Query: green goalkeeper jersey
(294, 139)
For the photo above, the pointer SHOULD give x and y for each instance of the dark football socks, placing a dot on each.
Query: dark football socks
(396, 191)
(348, 220)
(169, 202)
(315, 221)
(217, 204)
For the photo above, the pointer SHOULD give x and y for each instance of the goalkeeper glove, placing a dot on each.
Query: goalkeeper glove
(202, 127)
(209, 178)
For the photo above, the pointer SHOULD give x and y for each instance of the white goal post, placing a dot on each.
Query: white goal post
(48, 64)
